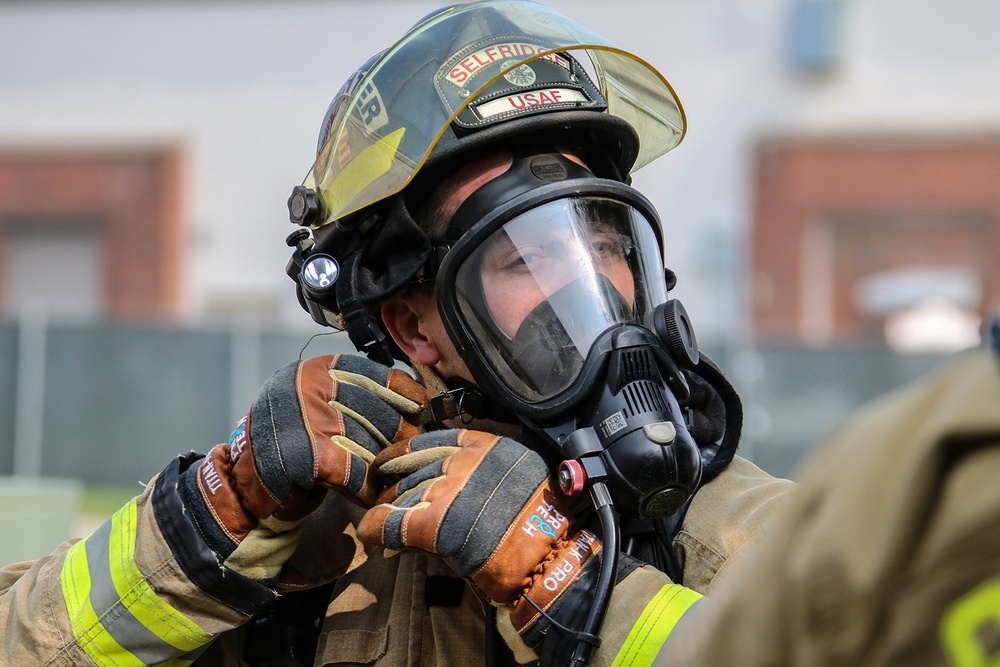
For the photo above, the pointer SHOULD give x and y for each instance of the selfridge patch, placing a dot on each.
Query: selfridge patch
(465, 67)
(535, 98)
(499, 78)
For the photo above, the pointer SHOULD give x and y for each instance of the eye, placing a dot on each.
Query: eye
(525, 258)
(610, 246)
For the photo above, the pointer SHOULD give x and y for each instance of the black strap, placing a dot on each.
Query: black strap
(712, 374)
(652, 541)
(362, 327)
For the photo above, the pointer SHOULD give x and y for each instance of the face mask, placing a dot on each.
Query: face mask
(553, 292)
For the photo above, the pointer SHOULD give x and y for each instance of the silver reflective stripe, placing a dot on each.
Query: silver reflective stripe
(116, 616)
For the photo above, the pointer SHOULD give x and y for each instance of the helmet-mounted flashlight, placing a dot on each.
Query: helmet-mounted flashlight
(320, 272)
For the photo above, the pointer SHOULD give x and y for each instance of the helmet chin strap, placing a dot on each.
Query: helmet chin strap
(362, 327)
(447, 404)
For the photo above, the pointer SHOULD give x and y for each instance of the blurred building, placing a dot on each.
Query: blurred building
(860, 238)
(836, 192)
(148, 149)
(92, 233)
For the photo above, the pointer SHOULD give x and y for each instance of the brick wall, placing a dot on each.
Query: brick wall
(830, 212)
(132, 196)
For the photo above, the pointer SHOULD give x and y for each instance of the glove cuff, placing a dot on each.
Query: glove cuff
(221, 544)
(190, 546)
(570, 611)
(559, 576)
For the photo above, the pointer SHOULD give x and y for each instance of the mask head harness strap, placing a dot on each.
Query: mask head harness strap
(530, 170)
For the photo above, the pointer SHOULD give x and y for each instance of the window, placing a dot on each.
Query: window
(815, 40)
(54, 267)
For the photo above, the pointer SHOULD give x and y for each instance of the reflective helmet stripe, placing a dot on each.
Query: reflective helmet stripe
(116, 616)
(655, 624)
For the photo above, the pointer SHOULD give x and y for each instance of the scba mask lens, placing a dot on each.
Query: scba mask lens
(536, 292)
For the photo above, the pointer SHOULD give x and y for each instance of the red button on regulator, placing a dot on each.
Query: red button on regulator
(572, 477)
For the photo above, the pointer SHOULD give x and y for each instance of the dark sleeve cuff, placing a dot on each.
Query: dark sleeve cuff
(553, 645)
(199, 562)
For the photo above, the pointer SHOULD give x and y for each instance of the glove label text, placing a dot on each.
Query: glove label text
(559, 575)
(578, 553)
(210, 475)
(547, 519)
(238, 440)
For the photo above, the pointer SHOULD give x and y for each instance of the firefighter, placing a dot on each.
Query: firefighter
(890, 551)
(469, 214)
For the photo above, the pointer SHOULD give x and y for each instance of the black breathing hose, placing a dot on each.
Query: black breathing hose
(587, 639)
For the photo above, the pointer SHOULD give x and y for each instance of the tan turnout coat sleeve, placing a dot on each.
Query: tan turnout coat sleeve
(379, 616)
(889, 554)
(47, 608)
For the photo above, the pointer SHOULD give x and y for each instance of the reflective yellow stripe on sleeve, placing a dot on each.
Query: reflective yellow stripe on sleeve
(968, 625)
(654, 625)
(116, 616)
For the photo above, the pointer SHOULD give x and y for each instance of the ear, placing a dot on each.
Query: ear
(403, 318)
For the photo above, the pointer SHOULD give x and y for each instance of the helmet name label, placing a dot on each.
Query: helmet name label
(469, 65)
(535, 98)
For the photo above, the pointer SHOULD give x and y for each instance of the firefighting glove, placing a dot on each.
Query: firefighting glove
(487, 506)
(315, 425)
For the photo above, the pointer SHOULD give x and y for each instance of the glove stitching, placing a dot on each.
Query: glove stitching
(364, 421)
(395, 400)
(345, 473)
(339, 426)
(404, 525)
(459, 440)
(277, 441)
(536, 574)
(557, 547)
(483, 509)
(352, 447)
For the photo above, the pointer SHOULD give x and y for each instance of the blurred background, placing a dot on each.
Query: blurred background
(833, 214)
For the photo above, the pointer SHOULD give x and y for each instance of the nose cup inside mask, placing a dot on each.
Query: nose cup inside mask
(550, 346)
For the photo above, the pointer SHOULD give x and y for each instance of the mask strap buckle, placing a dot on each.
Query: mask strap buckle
(445, 406)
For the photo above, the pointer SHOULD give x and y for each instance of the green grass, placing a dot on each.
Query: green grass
(103, 500)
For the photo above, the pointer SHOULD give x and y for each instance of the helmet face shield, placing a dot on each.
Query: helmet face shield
(537, 291)
(475, 66)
